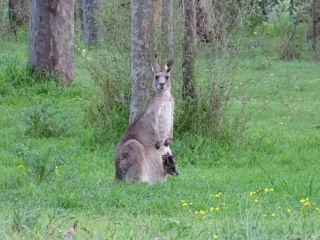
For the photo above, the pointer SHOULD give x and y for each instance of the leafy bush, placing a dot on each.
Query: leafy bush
(42, 164)
(21, 75)
(42, 121)
(108, 111)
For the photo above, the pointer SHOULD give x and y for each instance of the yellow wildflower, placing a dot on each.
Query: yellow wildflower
(185, 204)
(217, 195)
(252, 193)
(305, 202)
(202, 212)
(273, 215)
(31, 186)
(269, 190)
(215, 236)
(20, 166)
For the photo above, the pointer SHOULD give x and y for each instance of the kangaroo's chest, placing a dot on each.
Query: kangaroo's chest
(165, 117)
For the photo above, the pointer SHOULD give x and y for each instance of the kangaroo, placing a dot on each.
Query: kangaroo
(169, 165)
(140, 150)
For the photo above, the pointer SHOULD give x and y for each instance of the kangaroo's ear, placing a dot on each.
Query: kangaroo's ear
(155, 67)
(168, 67)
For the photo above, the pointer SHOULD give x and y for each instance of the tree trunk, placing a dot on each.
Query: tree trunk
(142, 32)
(51, 37)
(189, 51)
(314, 31)
(167, 28)
(90, 15)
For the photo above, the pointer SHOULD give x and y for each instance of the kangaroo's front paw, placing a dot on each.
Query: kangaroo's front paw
(168, 142)
(157, 144)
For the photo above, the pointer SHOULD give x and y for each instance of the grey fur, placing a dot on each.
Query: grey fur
(140, 150)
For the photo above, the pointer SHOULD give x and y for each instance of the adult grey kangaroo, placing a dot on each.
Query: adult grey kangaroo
(140, 150)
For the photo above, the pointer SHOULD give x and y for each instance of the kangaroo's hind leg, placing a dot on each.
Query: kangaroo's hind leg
(129, 161)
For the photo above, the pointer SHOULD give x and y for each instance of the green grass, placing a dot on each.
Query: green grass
(280, 150)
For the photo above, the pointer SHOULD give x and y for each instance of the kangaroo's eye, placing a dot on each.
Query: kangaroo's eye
(167, 77)
(157, 77)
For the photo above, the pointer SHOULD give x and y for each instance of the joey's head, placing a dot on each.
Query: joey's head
(169, 165)
(161, 80)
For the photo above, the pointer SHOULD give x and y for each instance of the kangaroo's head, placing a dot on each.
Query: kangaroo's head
(169, 165)
(161, 80)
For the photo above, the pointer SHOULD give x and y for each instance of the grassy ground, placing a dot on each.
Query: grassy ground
(266, 187)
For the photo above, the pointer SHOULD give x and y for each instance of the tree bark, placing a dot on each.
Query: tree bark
(51, 37)
(90, 15)
(189, 51)
(167, 28)
(142, 32)
(314, 31)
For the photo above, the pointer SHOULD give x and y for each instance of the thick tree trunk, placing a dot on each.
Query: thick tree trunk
(189, 51)
(51, 37)
(167, 28)
(314, 32)
(90, 15)
(142, 32)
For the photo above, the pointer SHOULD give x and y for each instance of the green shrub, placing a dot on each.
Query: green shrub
(42, 164)
(42, 121)
(108, 111)
(21, 75)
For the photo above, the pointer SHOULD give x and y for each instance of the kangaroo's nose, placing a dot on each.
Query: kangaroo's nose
(161, 84)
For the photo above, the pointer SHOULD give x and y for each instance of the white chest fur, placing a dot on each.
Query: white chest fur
(165, 118)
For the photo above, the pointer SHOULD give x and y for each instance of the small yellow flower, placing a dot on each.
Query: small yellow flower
(289, 210)
(305, 202)
(56, 167)
(252, 193)
(269, 190)
(257, 200)
(31, 186)
(273, 215)
(217, 195)
(20, 166)
(202, 212)
(211, 209)
(185, 204)
(215, 236)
